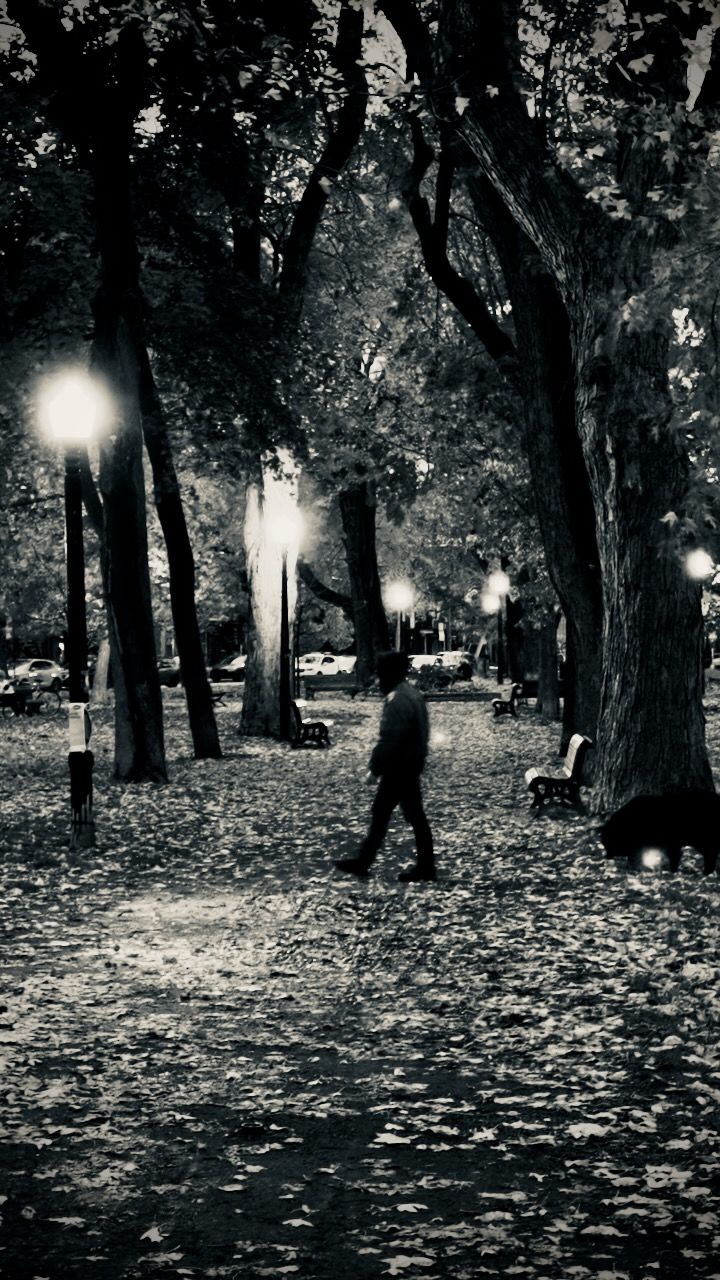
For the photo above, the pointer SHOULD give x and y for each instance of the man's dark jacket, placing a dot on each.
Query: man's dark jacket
(404, 733)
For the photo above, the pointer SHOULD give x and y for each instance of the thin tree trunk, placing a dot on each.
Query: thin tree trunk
(548, 699)
(181, 565)
(560, 483)
(358, 510)
(261, 694)
(100, 693)
(139, 743)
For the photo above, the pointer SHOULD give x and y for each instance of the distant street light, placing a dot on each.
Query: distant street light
(399, 598)
(498, 586)
(285, 531)
(72, 408)
(699, 564)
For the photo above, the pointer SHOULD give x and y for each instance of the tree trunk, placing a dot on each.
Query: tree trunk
(548, 699)
(357, 510)
(100, 693)
(514, 640)
(652, 726)
(181, 565)
(139, 744)
(261, 696)
(561, 487)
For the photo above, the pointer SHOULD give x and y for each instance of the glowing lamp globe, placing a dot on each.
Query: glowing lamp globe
(490, 602)
(399, 596)
(699, 565)
(498, 583)
(285, 528)
(73, 407)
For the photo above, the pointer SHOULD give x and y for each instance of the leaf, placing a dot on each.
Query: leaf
(588, 1130)
(392, 1139)
(603, 40)
(403, 1260)
(153, 1234)
(461, 104)
(641, 65)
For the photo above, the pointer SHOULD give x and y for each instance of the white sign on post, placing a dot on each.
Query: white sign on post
(79, 726)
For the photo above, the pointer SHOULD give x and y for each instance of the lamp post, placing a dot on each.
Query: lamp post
(498, 586)
(285, 530)
(71, 406)
(399, 598)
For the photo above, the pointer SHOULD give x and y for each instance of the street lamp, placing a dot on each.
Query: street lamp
(72, 407)
(285, 531)
(399, 598)
(699, 565)
(498, 586)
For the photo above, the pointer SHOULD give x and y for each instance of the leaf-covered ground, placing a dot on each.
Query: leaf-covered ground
(222, 1058)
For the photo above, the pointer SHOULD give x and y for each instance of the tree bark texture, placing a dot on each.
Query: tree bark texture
(358, 510)
(261, 696)
(181, 565)
(139, 742)
(548, 699)
(100, 692)
(652, 727)
(561, 486)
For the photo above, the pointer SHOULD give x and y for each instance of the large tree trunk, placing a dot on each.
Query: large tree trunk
(358, 509)
(181, 565)
(274, 496)
(652, 726)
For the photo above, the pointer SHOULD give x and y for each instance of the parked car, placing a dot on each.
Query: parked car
(326, 664)
(42, 671)
(454, 658)
(169, 672)
(420, 660)
(232, 668)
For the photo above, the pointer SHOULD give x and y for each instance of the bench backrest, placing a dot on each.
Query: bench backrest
(573, 762)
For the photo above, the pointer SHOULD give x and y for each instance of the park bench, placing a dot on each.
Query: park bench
(564, 786)
(308, 733)
(507, 706)
(344, 682)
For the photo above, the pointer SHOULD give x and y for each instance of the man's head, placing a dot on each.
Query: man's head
(392, 668)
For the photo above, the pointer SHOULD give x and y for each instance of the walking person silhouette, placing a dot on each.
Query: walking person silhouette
(398, 759)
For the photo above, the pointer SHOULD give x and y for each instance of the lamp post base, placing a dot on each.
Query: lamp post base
(82, 830)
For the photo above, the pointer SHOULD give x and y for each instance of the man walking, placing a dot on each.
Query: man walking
(398, 760)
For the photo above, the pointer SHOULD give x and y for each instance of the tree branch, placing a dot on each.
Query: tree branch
(335, 155)
(327, 594)
(433, 242)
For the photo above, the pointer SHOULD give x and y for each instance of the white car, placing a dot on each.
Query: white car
(454, 658)
(42, 671)
(420, 660)
(325, 664)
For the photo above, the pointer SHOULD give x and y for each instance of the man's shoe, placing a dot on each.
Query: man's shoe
(415, 873)
(354, 865)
